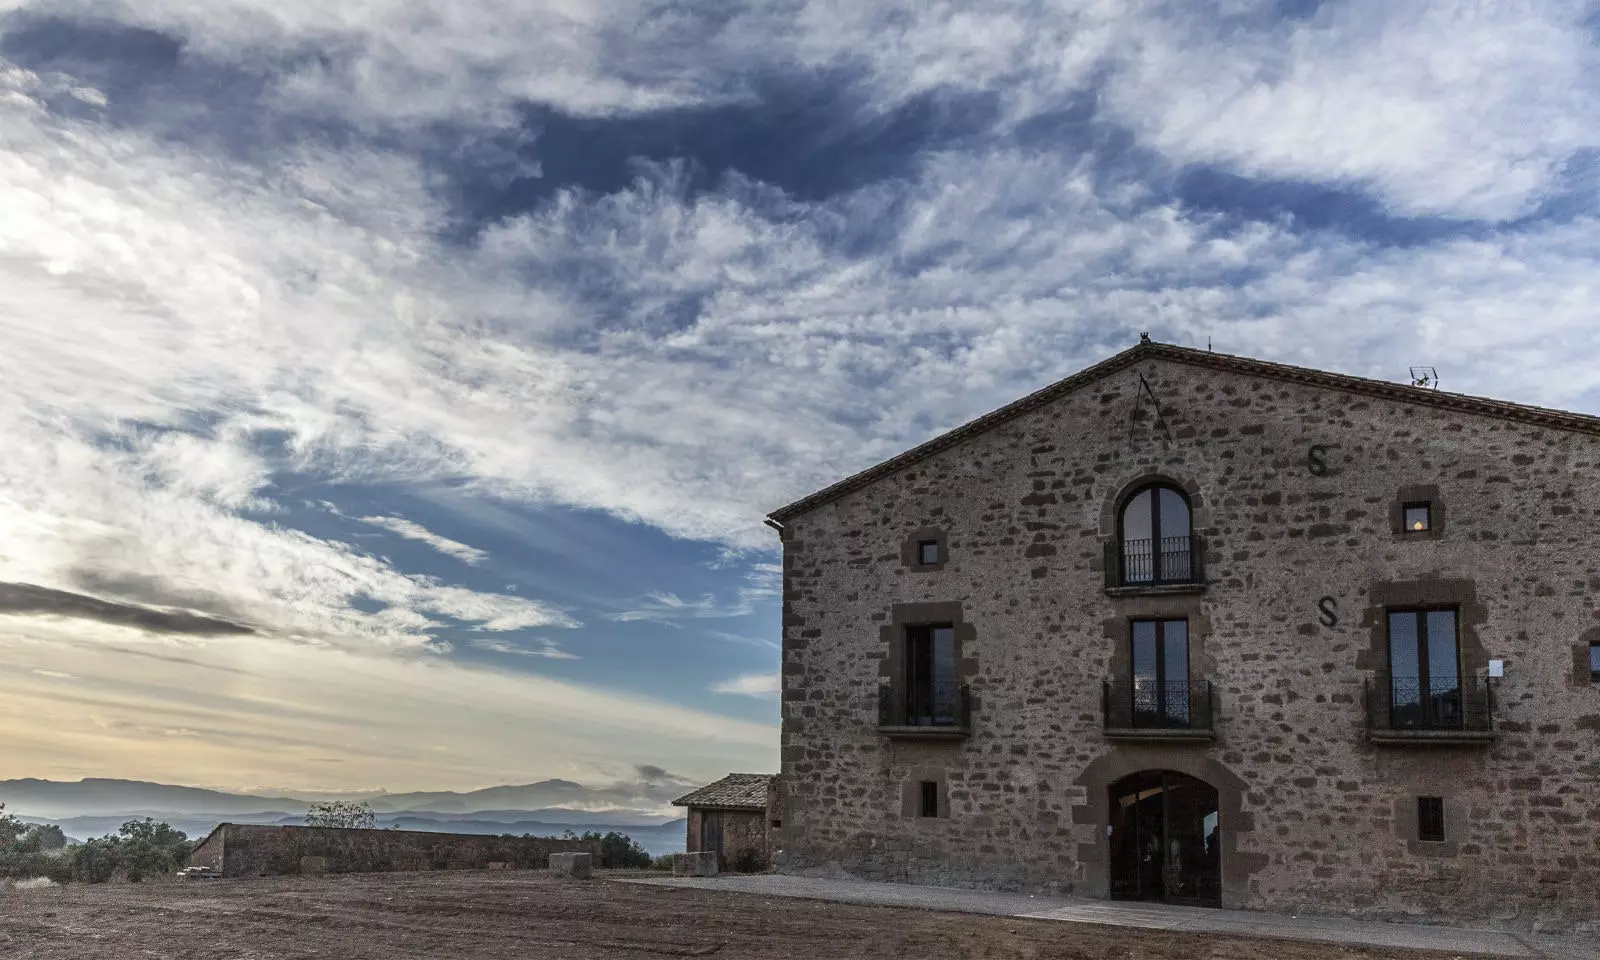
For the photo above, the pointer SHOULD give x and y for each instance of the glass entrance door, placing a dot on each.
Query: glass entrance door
(1165, 839)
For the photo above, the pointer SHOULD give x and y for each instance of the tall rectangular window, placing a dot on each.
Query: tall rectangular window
(928, 799)
(1430, 819)
(932, 693)
(1594, 662)
(1160, 653)
(1424, 669)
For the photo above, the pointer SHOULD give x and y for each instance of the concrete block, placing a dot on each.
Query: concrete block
(577, 865)
(698, 864)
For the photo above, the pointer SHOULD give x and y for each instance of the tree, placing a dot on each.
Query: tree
(41, 837)
(10, 827)
(345, 814)
(149, 848)
(617, 850)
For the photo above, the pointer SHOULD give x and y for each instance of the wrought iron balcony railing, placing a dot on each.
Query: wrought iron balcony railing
(1145, 705)
(934, 709)
(1428, 706)
(1168, 561)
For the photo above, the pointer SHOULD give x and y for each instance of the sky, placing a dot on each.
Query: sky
(391, 392)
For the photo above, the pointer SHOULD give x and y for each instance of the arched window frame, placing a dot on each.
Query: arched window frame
(1161, 572)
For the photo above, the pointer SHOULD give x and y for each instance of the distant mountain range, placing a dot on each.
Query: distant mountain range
(96, 807)
(563, 800)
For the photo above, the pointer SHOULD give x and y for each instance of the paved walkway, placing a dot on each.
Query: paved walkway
(1354, 933)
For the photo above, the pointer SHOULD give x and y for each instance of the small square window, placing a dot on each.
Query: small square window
(928, 799)
(1594, 662)
(1430, 819)
(927, 552)
(777, 824)
(1418, 517)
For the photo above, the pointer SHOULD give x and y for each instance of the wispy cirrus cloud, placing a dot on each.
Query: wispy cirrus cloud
(416, 531)
(544, 648)
(762, 685)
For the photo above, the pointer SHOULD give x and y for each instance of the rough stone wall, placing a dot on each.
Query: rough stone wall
(1315, 817)
(249, 850)
(746, 839)
(208, 852)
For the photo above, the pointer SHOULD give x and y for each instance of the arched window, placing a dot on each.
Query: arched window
(1155, 538)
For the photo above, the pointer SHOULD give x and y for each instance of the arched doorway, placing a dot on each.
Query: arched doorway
(1165, 839)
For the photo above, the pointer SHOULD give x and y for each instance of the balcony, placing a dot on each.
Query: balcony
(929, 711)
(1416, 711)
(1167, 565)
(1177, 711)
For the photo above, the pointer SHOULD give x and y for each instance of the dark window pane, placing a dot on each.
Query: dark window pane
(1138, 545)
(1594, 661)
(1419, 517)
(928, 551)
(1443, 669)
(1430, 819)
(1144, 649)
(1136, 517)
(944, 654)
(1404, 660)
(1174, 514)
(928, 805)
(1175, 657)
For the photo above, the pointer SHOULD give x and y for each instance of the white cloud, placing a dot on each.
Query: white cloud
(1462, 110)
(250, 710)
(416, 531)
(668, 608)
(545, 649)
(763, 685)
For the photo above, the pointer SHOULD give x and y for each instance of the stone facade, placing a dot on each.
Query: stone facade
(1296, 482)
(251, 850)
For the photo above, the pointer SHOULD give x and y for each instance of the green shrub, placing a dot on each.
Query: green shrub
(617, 850)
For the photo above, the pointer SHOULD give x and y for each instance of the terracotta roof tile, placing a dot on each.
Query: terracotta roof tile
(742, 790)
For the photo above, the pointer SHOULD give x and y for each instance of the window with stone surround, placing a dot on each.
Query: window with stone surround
(1424, 668)
(1430, 819)
(1154, 536)
(928, 798)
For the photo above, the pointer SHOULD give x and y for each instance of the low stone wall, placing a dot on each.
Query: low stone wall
(247, 850)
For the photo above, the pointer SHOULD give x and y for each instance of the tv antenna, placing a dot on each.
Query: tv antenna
(1426, 377)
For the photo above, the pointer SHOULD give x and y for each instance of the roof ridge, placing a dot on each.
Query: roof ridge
(1148, 349)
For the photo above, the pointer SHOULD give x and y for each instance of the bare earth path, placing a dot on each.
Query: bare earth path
(534, 915)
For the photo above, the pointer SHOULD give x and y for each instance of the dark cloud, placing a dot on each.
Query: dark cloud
(29, 599)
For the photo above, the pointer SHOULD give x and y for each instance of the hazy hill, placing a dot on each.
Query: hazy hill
(661, 838)
(95, 797)
(559, 800)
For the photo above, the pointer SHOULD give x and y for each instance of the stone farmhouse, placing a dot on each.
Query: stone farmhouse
(1203, 629)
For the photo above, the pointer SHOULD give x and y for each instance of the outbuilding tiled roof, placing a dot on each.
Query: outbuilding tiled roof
(744, 791)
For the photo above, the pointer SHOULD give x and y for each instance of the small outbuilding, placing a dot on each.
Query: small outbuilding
(737, 818)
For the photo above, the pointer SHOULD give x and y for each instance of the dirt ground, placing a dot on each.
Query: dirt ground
(477, 916)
